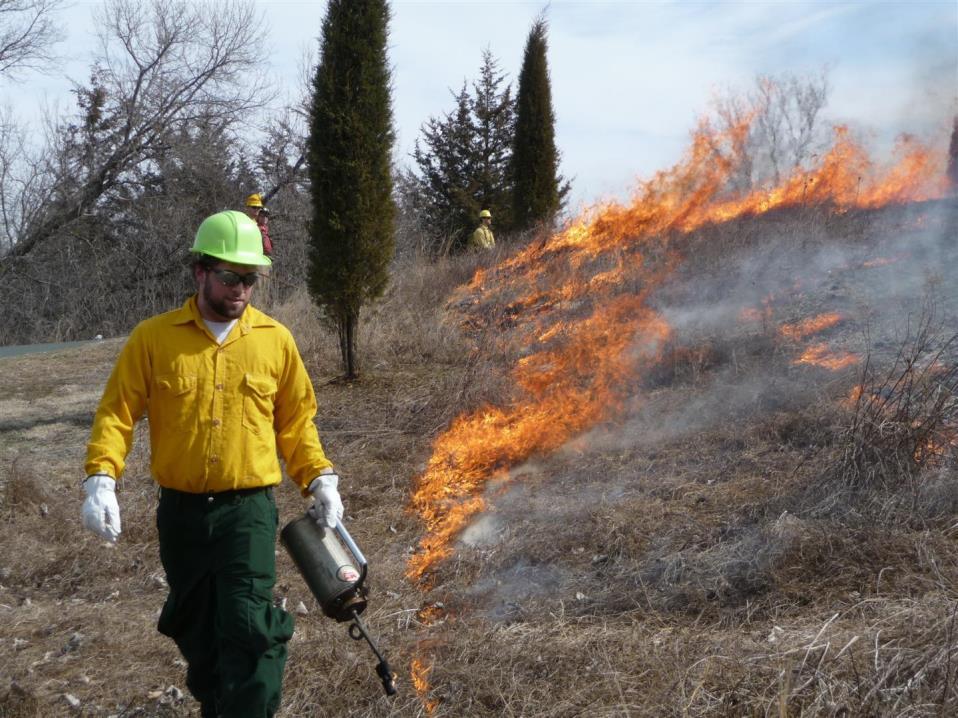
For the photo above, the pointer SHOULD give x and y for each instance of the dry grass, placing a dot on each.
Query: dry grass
(675, 562)
(906, 416)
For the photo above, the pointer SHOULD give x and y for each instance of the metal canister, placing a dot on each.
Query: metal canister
(331, 564)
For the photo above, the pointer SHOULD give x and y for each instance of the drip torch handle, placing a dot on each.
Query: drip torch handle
(350, 544)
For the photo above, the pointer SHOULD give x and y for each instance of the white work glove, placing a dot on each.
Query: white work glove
(327, 507)
(101, 512)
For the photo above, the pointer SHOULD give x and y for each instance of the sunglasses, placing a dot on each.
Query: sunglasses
(231, 279)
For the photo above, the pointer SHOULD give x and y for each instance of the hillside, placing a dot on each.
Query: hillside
(746, 506)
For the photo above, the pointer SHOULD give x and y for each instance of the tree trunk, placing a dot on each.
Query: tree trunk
(347, 345)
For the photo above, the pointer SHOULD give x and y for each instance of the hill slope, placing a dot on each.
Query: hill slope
(754, 514)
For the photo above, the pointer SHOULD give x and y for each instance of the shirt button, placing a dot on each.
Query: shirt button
(209, 499)
(216, 422)
(214, 459)
(219, 387)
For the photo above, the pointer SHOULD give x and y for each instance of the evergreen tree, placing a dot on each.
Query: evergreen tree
(493, 113)
(463, 159)
(537, 190)
(350, 141)
(447, 172)
(952, 169)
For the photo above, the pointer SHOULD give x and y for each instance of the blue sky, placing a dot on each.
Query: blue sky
(629, 79)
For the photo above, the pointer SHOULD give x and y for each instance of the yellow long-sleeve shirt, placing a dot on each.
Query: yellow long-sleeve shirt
(217, 412)
(482, 238)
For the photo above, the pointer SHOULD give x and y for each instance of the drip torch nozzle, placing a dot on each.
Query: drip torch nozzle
(357, 631)
(387, 677)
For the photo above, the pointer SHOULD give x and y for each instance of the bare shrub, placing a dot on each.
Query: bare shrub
(904, 418)
(22, 490)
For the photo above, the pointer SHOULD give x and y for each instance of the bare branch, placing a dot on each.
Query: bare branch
(162, 65)
(28, 32)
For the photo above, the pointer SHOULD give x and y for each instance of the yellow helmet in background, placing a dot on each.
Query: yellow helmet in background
(254, 200)
(484, 214)
(232, 237)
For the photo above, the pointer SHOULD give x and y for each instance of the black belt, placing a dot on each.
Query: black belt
(212, 496)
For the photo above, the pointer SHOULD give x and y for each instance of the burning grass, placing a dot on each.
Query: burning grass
(670, 557)
(905, 416)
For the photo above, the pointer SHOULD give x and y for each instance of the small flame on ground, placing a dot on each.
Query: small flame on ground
(821, 355)
(933, 451)
(812, 325)
(419, 673)
(851, 401)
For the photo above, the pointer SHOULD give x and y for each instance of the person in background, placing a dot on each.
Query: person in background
(223, 386)
(482, 238)
(259, 213)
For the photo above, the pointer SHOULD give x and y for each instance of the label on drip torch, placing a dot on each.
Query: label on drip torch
(347, 574)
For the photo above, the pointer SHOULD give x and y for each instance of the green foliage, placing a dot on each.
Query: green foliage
(463, 160)
(350, 141)
(538, 191)
(494, 115)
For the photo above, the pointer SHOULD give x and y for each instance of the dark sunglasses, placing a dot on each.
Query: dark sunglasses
(231, 279)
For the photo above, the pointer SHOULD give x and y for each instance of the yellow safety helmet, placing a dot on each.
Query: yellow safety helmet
(485, 213)
(232, 237)
(254, 200)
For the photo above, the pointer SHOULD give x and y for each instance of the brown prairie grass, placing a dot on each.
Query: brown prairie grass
(677, 561)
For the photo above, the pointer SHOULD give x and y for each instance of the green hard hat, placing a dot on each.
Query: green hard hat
(232, 237)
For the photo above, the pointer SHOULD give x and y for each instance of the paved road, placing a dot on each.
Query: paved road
(15, 351)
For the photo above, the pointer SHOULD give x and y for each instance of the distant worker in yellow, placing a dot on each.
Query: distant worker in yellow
(482, 238)
(257, 211)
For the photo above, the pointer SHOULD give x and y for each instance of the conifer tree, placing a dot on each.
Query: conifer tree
(952, 169)
(463, 159)
(447, 171)
(493, 113)
(350, 142)
(538, 191)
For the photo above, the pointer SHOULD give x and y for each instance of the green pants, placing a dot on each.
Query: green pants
(218, 551)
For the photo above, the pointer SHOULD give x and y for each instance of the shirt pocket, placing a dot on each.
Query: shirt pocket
(174, 402)
(259, 392)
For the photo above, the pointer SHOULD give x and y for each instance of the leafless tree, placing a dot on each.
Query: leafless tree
(786, 124)
(784, 113)
(28, 32)
(162, 65)
(111, 199)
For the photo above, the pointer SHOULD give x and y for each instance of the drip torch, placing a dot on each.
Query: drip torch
(335, 570)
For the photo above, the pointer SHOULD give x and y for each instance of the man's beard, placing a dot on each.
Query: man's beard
(221, 307)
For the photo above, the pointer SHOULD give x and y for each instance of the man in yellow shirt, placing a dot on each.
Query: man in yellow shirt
(224, 387)
(482, 238)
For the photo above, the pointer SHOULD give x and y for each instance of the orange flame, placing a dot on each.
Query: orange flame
(419, 673)
(854, 396)
(932, 451)
(813, 325)
(821, 355)
(572, 300)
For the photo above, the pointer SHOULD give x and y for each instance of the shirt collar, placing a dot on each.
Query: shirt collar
(250, 318)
